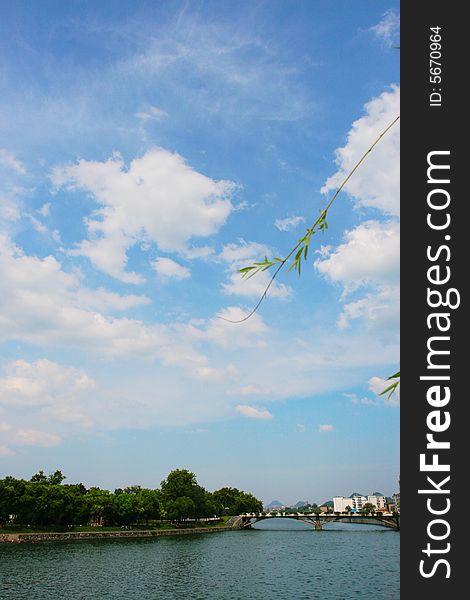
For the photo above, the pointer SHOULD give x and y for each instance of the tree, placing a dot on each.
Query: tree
(368, 509)
(181, 508)
(182, 483)
(234, 501)
(99, 506)
(11, 493)
(150, 503)
(55, 478)
(348, 509)
(39, 477)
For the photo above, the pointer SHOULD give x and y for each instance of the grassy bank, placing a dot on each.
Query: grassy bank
(161, 526)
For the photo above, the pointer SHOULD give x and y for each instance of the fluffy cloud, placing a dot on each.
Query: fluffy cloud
(380, 309)
(168, 268)
(244, 254)
(33, 437)
(253, 413)
(369, 255)
(44, 305)
(46, 390)
(377, 183)
(40, 383)
(26, 437)
(289, 223)
(222, 332)
(369, 259)
(377, 385)
(158, 198)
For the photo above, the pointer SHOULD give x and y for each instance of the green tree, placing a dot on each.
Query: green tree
(368, 509)
(150, 502)
(11, 493)
(99, 506)
(234, 502)
(39, 477)
(182, 483)
(181, 508)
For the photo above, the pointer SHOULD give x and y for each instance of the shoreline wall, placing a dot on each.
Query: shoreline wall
(97, 535)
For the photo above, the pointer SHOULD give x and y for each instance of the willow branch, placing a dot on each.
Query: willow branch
(280, 263)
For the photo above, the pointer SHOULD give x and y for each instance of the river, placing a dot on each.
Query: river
(279, 560)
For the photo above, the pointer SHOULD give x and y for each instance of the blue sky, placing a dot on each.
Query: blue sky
(148, 151)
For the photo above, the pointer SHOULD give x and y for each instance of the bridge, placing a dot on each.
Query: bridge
(390, 520)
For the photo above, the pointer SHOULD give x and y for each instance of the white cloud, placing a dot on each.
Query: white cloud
(45, 209)
(194, 252)
(300, 428)
(158, 198)
(248, 78)
(221, 332)
(388, 28)
(33, 437)
(103, 300)
(5, 451)
(214, 373)
(43, 305)
(11, 192)
(9, 161)
(369, 258)
(252, 412)
(325, 428)
(254, 287)
(25, 436)
(377, 385)
(381, 309)
(46, 388)
(152, 113)
(168, 268)
(377, 182)
(245, 254)
(289, 223)
(370, 254)
(363, 401)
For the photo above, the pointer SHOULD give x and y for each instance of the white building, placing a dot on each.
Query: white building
(356, 502)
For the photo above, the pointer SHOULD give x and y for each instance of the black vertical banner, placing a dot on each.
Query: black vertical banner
(435, 363)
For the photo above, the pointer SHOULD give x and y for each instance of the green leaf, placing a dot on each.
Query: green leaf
(391, 389)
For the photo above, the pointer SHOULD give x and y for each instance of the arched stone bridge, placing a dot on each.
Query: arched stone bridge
(385, 520)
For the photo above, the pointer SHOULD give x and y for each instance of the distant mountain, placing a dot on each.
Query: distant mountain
(327, 503)
(357, 494)
(301, 503)
(274, 504)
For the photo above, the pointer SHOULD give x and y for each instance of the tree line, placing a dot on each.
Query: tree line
(45, 500)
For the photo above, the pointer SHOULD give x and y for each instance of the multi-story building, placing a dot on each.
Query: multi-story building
(357, 502)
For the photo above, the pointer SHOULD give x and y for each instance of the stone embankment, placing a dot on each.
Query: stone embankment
(99, 535)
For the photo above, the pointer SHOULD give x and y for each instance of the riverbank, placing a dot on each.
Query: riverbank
(17, 538)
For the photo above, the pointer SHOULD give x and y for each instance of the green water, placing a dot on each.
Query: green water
(289, 561)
